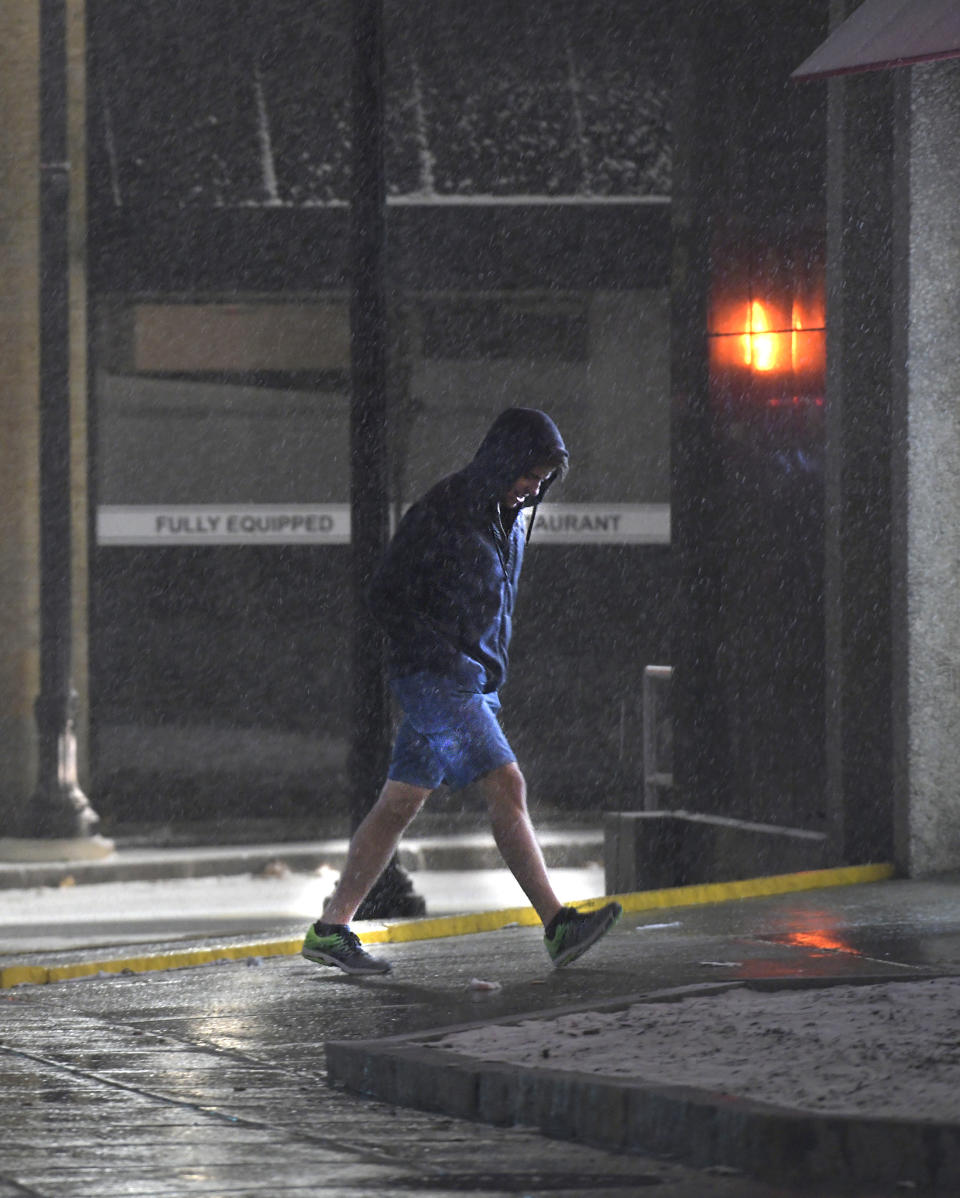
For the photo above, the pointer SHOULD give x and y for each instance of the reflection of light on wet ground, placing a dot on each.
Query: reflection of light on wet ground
(44, 919)
(454, 892)
(820, 956)
(49, 919)
(825, 947)
(820, 940)
(819, 930)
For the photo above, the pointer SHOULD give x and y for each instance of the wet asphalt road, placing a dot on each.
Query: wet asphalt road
(211, 1081)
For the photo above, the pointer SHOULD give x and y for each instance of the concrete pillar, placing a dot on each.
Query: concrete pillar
(857, 474)
(19, 414)
(19, 381)
(79, 440)
(926, 469)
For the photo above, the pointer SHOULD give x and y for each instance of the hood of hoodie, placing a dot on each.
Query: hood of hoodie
(517, 441)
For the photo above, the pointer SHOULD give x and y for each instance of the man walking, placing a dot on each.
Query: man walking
(444, 595)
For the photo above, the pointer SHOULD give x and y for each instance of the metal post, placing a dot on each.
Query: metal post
(369, 499)
(59, 807)
(657, 772)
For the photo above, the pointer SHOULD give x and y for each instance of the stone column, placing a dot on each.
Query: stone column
(79, 467)
(926, 469)
(857, 482)
(20, 425)
(19, 380)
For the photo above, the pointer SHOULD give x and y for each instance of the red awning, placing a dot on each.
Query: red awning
(887, 33)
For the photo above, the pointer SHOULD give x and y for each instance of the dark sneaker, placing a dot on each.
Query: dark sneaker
(335, 944)
(571, 932)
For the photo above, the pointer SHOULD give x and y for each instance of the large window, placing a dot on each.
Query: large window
(207, 408)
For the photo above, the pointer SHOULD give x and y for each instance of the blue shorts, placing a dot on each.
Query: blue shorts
(448, 735)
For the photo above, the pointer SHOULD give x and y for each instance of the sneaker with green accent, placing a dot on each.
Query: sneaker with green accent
(334, 944)
(572, 932)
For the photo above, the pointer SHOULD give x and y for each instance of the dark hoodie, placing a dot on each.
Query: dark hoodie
(446, 588)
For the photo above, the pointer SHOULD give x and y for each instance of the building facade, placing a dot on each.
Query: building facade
(732, 290)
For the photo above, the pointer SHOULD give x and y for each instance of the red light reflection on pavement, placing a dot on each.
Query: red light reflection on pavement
(821, 940)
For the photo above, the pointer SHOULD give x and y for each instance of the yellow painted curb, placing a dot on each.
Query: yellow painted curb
(724, 892)
(457, 925)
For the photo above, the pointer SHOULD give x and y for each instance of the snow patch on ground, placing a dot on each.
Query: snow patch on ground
(890, 1050)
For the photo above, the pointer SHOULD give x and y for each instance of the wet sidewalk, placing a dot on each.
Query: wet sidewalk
(213, 1080)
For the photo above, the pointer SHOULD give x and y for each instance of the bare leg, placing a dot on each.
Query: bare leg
(372, 846)
(506, 794)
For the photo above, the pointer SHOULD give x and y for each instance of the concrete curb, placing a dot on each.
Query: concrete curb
(701, 1127)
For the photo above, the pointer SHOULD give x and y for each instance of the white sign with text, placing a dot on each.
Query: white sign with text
(329, 524)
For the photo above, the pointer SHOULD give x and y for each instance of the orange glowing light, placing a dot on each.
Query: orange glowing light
(771, 342)
(777, 342)
(759, 344)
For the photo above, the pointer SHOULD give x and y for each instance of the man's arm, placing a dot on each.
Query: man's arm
(396, 595)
